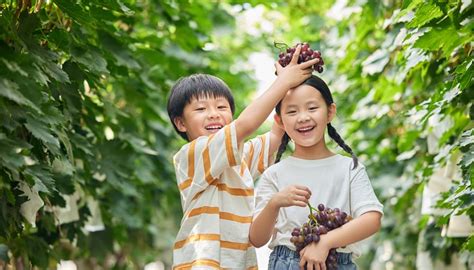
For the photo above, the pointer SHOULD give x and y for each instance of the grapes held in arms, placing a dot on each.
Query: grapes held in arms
(306, 54)
(321, 221)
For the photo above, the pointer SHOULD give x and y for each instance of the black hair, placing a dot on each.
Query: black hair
(195, 86)
(318, 84)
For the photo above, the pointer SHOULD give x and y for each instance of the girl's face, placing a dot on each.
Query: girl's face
(305, 115)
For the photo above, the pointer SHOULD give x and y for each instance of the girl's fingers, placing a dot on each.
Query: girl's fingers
(298, 203)
(302, 190)
(308, 71)
(300, 198)
(278, 67)
(302, 262)
(309, 63)
(322, 266)
(294, 59)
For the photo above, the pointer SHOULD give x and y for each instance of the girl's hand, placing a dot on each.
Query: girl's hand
(295, 74)
(294, 195)
(313, 256)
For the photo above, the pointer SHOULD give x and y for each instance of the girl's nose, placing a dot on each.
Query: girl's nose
(303, 118)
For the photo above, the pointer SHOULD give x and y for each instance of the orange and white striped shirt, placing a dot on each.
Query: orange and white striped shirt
(216, 183)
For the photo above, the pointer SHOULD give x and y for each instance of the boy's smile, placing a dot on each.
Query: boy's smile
(204, 116)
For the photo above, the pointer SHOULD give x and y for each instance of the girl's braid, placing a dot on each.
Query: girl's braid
(281, 149)
(337, 138)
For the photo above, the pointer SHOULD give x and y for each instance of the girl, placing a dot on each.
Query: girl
(316, 175)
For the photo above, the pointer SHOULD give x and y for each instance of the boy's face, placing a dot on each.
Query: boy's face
(204, 116)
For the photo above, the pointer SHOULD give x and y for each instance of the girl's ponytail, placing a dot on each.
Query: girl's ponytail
(281, 149)
(337, 138)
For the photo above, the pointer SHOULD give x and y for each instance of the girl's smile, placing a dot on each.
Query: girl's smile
(304, 116)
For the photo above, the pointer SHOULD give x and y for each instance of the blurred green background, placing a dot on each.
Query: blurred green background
(86, 145)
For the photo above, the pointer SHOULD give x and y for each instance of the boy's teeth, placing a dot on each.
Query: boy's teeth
(213, 127)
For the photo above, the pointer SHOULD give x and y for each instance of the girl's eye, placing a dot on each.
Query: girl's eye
(291, 112)
(222, 107)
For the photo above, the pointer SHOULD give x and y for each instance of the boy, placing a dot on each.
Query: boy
(215, 173)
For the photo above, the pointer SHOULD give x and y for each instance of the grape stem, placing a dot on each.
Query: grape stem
(280, 45)
(311, 213)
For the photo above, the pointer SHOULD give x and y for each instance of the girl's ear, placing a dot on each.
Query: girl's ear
(178, 121)
(331, 112)
(278, 121)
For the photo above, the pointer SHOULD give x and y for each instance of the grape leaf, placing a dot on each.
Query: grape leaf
(10, 89)
(424, 14)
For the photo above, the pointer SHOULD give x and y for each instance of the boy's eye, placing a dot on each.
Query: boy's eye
(313, 108)
(200, 108)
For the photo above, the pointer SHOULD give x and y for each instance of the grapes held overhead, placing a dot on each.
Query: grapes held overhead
(321, 220)
(306, 54)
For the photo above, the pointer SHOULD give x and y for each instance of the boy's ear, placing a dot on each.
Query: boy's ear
(332, 112)
(178, 121)
(278, 121)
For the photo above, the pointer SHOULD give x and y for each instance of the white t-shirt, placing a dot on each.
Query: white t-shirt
(216, 183)
(332, 182)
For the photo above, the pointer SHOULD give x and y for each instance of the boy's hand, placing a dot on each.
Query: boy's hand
(293, 195)
(294, 74)
(313, 256)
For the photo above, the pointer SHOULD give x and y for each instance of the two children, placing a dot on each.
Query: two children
(215, 170)
(215, 173)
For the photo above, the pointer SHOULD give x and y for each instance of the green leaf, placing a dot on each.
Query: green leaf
(9, 89)
(435, 39)
(54, 71)
(41, 131)
(91, 59)
(14, 67)
(42, 178)
(62, 167)
(467, 158)
(138, 144)
(424, 14)
(465, 73)
(76, 11)
(467, 138)
(37, 250)
(376, 62)
(121, 54)
(469, 244)
(412, 4)
(67, 144)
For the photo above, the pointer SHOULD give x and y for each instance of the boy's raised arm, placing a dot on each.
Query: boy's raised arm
(288, 77)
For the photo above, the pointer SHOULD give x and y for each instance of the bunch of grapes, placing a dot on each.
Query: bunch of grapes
(321, 221)
(306, 54)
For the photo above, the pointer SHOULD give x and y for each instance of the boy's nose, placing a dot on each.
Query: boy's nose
(213, 113)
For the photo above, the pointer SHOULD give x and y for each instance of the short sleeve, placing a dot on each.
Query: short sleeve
(256, 154)
(363, 198)
(202, 161)
(266, 188)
